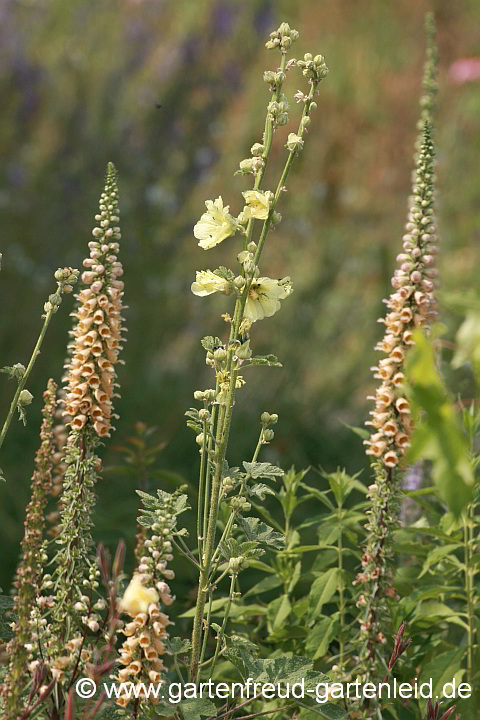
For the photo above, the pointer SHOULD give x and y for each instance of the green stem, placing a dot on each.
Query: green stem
(201, 491)
(224, 623)
(226, 410)
(341, 590)
(206, 504)
(205, 635)
(21, 384)
(220, 445)
(229, 523)
(469, 590)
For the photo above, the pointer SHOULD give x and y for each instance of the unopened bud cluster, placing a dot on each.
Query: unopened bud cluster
(66, 279)
(314, 68)
(283, 38)
(98, 331)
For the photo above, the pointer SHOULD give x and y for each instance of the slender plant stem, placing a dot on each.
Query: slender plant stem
(224, 623)
(469, 589)
(230, 521)
(205, 635)
(201, 492)
(21, 384)
(209, 473)
(341, 590)
(226, 409)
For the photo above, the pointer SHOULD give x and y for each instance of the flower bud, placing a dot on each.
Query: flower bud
(25, 398)
(220, 354)
(257, 149)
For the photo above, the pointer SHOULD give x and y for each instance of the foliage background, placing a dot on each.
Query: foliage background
(79, 83)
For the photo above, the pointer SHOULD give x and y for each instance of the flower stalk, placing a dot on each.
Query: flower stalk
(33, 558)
(411, 305)
(66, 278)
(256, 297)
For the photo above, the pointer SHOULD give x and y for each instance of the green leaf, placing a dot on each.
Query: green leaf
(196, 708)
(209, 342)
(225, 273)
(239, 641)
(438, 554)
(322, 591)
(270, 360)
(438, 436)
(278, 611)
(258, 531)
(6, 603)
(319, 638)
(263, 470)
(432, 610)
(327, 710)
(441, 669)
(328, 535)
(177, 645)
(216, 605)
(269, 583)
(295, 576)
(360, 431)
(260, 491)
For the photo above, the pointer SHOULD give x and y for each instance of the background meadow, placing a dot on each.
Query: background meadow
(80, 84)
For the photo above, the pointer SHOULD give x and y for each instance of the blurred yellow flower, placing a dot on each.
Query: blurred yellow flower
(208, 282)
(137, 598)
(264, 297)
(215, 225)
(258, 204)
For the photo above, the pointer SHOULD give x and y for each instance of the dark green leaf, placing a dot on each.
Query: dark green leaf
(258, 531)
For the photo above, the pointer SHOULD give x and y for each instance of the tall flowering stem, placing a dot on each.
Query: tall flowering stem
(256, 298)
(69, 619)
(411, 305)
(33, 558)
(147, 597)
(90, 389)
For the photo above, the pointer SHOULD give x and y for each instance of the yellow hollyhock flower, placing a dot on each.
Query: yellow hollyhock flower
(215, 225)
(208, 282)
(264, 297)
(137, 598)
(258, 204)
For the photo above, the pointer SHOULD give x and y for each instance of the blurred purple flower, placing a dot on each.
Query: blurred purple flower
(223, 19)
(414, 477)
(413, 480)
(464, 70)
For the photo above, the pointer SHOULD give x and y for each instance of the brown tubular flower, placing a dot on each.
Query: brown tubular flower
(412, 304)
(97, 335)
(30, 568)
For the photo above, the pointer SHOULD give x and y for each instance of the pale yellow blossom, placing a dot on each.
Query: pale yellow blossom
(208, 282)
(258, 204)
(215, 225)
(264, 297)
(137, 597)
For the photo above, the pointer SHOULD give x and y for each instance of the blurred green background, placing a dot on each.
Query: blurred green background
(79, 83)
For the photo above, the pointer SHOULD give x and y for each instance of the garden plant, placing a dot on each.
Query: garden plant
(314, 578)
